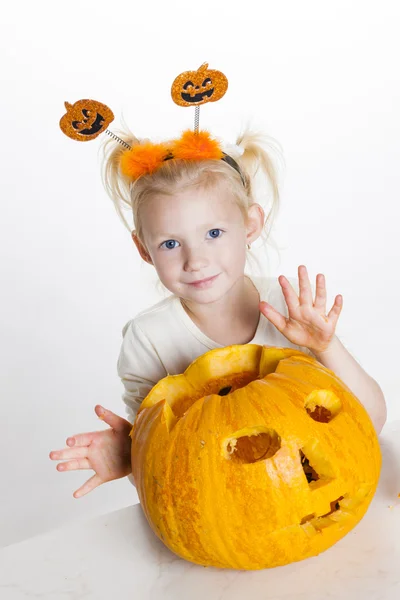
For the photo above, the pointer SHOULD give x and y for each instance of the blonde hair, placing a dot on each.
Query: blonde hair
(175, 175)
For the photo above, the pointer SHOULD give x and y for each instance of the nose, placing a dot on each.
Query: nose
(195, 259)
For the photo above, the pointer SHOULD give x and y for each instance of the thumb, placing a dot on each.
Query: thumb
(113, 420)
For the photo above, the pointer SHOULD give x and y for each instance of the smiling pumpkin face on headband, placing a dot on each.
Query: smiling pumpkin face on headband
(85, 119)
(198, 87)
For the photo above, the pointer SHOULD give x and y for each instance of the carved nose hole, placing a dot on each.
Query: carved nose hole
(310, 473)
(225, 390)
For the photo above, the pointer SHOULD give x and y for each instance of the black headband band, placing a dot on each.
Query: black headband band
(232, 162)
(226, 158)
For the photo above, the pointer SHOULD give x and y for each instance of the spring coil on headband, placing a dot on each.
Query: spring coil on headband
(117, 139)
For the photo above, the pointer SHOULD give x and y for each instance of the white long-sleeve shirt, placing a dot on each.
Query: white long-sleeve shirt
(163, 340)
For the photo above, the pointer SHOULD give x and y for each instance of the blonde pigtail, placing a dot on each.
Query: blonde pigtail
(262, 155)
(117, 186)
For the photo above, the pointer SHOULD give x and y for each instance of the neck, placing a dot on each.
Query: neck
(237, 311)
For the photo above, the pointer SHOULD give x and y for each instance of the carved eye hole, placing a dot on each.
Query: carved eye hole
(206, 81)
(323, 405)
(187, 85)
(258, 445)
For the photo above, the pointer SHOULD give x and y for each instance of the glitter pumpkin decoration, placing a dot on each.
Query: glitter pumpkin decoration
(254, 457)
(85, 119)
(193, 88)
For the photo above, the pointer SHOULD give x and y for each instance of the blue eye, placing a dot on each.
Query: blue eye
(212, 231)
(167, 244)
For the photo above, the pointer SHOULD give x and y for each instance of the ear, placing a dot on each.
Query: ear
(141, 248)
(255, 222)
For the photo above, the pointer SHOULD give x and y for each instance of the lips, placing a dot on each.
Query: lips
(203, 280)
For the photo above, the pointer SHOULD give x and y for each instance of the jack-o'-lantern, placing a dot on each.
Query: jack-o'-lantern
(85, 119)
(193, 88)
(254, 457)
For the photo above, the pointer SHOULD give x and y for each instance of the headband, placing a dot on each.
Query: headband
(86, 119)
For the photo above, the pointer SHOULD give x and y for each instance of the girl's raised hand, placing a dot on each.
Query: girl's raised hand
(307, 324)
(107, 452)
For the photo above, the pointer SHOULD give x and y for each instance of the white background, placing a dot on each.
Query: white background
(320, 77)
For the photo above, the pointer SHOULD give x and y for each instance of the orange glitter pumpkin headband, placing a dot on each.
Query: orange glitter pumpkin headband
(86, 119)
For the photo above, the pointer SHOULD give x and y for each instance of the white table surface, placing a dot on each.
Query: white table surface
(117, 556)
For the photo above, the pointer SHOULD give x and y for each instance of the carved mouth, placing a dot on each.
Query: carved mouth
(197, 97)
(97, 125)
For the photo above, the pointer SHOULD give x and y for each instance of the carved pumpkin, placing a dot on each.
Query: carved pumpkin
(85, 119)
(193, 88)
(254, 457)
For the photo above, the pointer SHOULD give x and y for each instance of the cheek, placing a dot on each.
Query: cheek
(167, 263)
(233, 249)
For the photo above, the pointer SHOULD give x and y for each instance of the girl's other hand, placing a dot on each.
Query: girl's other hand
(107, 452)
(307, 323)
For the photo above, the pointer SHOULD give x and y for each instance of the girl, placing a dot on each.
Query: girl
(194, 221)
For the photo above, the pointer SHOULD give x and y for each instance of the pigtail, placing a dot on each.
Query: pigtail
(258, 150)
(115, 183)
(262, 156)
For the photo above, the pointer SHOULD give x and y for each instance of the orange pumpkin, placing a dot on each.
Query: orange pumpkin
(85, 119)
(254, 457)
(193, 88)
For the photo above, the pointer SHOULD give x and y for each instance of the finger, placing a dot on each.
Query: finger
(74, 465)
(87, 487)
(305, 295)
(67, 453)
(273, 315)
(336, 309)
(289, 293)
(320, 293)
(113, 420)
(82, 439)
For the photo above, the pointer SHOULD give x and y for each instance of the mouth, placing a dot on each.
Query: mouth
(204, 282)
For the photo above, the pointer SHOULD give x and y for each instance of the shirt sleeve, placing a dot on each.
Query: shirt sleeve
(139, 367)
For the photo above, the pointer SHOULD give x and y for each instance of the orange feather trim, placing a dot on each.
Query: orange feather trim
(196, 145)
(142, 159)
